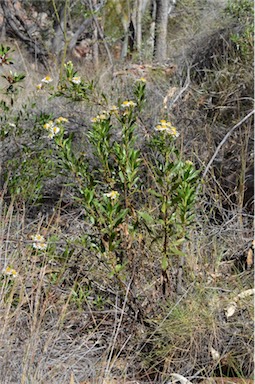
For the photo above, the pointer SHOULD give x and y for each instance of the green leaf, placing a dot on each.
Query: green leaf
(154, 193)
(179, 241)
(177, 252)
(118, 267)
(146, 217)
(164, 263)
(164, 207)
(121, 175)
(120, 217)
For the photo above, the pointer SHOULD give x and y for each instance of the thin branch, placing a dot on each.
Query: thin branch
(224, 140)
(79, 31)
(100, 32)
(186, 86)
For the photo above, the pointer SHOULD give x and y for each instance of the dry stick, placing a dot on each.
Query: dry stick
(177, 378)
(186, 86)
(224, 140)
(183, 89)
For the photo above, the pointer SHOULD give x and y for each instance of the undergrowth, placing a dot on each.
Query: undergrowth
(112, 263)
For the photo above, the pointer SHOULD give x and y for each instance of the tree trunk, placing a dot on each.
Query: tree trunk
(58, 41)
(139, 11)
(160, 42)
(152, 26)
(16, 21)
(95, 38)
(139, 26)
(124, 49)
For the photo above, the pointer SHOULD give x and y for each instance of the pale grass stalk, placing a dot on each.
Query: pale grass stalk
(116, 331)
(37, 312)
(59, 325)
(8, 222)
(28, 73)
(6, 230)
(6, 305)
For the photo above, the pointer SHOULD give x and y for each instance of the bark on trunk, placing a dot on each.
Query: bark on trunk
(14, 21)
(160, 42)
(139, 26)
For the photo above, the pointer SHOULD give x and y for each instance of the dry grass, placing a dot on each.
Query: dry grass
(47, 336)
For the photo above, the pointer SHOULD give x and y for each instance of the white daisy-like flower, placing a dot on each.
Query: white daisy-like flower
(60, 120)
(104, 115)
(113, 109)
(173, 131)
(39, 242)
(47, 79)
(142, 80)
(76, 80)
(128, 104)
(166, 126)
(9, 272)
(113, 195)
(48, 125)
(68, 64)
(53, 131)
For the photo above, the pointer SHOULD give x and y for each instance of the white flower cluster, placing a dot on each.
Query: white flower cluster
(9, 272)
(52, 126)
(166, 126)
(39, 242)
(113, 195)
(128, 104)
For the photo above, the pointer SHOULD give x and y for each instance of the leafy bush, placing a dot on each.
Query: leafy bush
(109, 193)
(109, 184)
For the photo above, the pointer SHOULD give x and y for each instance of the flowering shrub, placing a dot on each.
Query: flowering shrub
(72, 86)
(111, 186)
(116, 215)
